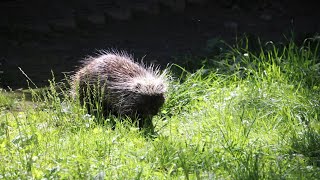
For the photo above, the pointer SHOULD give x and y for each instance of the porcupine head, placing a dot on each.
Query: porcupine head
(145, 95)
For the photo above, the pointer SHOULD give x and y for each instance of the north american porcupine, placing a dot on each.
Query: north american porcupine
(127, 88)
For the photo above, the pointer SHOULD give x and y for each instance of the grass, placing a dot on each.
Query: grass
(249, 115)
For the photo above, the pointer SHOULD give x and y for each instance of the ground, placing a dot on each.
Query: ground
(162, 39)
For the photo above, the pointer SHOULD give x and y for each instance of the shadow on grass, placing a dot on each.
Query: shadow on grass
(308, 144)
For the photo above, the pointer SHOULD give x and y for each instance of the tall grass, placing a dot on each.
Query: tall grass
(252, 115)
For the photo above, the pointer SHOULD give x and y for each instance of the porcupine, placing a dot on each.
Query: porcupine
(128, 88)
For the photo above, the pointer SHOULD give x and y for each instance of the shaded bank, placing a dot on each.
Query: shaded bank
(40, 37)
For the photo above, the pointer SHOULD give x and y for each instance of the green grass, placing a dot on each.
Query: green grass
(250, 115)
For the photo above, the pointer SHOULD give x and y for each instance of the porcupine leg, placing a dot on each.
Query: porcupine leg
(146, 124)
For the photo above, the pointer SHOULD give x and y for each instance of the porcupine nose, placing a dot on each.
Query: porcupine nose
(155, 102)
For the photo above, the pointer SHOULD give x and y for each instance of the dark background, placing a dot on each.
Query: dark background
(40, 36)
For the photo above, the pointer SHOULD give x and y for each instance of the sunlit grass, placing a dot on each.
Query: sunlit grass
(250, 115)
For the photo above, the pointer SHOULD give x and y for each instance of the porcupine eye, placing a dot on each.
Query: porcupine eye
(161, 86)
(138, 86)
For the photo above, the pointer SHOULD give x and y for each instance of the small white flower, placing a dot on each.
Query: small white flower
(86, 116)
(245, 122)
